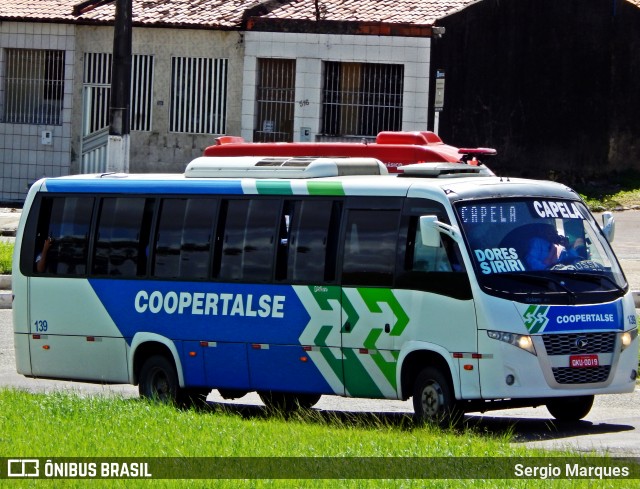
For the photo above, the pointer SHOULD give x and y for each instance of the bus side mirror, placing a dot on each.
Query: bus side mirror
(429, 232)
(608, 225)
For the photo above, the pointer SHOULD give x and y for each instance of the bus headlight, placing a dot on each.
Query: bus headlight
(521, 341)
(627, 338)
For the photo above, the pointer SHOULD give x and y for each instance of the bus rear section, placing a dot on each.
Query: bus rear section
(302, 277)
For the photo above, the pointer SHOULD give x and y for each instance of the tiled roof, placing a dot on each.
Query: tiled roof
(205, 13)
(390, 11)
(228, 13)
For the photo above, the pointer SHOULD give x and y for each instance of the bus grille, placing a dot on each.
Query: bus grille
(579, 344)
(567, 344)
(566, 375)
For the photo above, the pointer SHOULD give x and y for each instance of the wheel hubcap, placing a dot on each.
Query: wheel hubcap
(432, 399)
(160, 385)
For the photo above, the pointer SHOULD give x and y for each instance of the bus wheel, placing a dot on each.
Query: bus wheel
(285, 401)
(434, 400)
(158, 380)
(570, 409)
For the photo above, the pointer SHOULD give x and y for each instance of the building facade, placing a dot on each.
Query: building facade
(279, 70)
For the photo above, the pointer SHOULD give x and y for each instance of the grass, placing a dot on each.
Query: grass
(621, 192)
(68, 425)
(6, 253)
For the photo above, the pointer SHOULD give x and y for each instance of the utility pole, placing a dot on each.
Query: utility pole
(118, 142)
(119, 127)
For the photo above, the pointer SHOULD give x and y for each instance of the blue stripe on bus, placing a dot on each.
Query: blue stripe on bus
(250, 332)
(204, 311)
(124, 185)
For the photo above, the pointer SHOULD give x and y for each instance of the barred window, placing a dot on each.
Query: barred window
(275, 96)
(361, 99)
(34, 86)
(96, 81)
(198, 95)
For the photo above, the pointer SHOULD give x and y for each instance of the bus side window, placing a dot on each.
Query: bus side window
(370, 247)
(422, 258)
(248, 239)
(183, 238)
(64, 222)
(442, 258)
(311, 254)
(122, 241)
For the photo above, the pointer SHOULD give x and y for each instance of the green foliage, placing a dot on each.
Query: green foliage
(70, 425)
(6, 253)
(619, 192)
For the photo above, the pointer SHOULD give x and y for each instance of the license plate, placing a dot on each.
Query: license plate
(583, 361)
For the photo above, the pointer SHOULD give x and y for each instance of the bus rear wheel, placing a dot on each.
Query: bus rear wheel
(286, 401)
(434, 400)
(159, 380)
(570, 409)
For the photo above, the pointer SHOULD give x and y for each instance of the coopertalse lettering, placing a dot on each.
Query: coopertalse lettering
(209, 304)
(585, 318)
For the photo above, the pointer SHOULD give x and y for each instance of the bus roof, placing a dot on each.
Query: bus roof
(328, 176)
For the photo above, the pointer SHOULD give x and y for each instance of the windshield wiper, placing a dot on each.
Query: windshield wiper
(531, 278)
(591, 277)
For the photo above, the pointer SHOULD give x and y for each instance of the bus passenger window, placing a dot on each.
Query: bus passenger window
(310, 252)
(370, 247)
(183, 239)
(63, 235)
(123, 237)
(248, 239)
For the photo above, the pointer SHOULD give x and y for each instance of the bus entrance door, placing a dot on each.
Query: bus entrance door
(372, 317)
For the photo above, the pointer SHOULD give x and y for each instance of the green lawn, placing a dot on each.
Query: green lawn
(6, 252)
(68, 425)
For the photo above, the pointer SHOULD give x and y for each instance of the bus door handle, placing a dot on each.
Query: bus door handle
(387, 328)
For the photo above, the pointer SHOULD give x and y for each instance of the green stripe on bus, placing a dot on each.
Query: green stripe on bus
(274, 187)
(357, 379)
(325, 188)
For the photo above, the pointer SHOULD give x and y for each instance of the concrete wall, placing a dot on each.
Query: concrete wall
(310, 50)
(161, 150)
(23, 156)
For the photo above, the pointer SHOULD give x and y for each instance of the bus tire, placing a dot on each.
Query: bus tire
(287, 401)
(159, 380)
(434, 400)
(570, 409)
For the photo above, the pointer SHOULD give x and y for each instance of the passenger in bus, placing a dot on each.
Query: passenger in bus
(41, 259)
(550, 249)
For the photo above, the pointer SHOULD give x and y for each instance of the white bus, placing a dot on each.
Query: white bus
(302, 277)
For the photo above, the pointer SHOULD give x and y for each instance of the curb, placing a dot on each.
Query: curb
(5, 292)
(5, 300)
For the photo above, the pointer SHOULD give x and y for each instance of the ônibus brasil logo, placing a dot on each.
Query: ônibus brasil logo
(535, 318)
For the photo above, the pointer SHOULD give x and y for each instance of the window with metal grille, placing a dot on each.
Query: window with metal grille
(97, 89)
(361, 99)
(198, 95)
(34, 86)
(275, 94)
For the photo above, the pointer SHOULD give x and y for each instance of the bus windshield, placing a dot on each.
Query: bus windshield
(539, 250)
